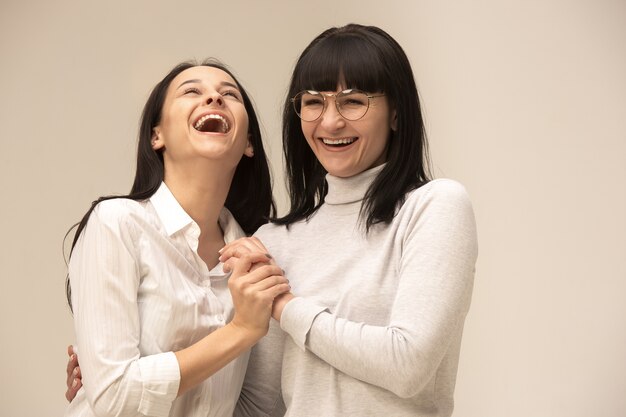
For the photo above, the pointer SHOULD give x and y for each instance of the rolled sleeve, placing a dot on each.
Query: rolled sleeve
(161, 378)
(297, 318)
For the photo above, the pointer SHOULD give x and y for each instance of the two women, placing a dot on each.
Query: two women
(380, 258)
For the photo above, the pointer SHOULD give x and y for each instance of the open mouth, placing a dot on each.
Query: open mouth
(339, 143)
(212, 123)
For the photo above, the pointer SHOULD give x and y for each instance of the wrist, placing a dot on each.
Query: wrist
(247, 332)
(279, 305)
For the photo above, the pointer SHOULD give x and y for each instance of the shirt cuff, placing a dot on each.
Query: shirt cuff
(160, 375)
(297, 318)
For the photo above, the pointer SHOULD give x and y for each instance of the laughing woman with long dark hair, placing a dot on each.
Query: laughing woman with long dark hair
(161, 328)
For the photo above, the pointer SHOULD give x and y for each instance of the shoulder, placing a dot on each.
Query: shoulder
(117, 212)
(270, 231)
(440, 200)
(440, 191)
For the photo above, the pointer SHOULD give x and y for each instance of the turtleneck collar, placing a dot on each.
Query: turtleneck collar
(351, 189)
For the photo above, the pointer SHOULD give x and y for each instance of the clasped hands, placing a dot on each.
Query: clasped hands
(248, 247)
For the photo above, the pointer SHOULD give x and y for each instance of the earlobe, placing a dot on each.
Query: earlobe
(249, 151)
(394, 121)
(156, 141)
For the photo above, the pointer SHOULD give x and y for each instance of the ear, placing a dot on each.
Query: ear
(156, 141)
(394, 120)
(249, 151)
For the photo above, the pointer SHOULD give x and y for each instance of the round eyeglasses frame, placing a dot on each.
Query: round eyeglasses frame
(294, 101)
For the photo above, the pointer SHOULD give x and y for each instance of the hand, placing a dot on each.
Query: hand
(74, 377)
(239, 247)
(254, 289)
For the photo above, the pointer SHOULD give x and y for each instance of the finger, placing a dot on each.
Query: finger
(278, 290)
(270, 282)
(233, 244)
(244, 241)
(70, 394)
(71, 364)
(236, 251)
(242, 265)
(228, 265)
(257, 242)
(241, 246)
(260, 274)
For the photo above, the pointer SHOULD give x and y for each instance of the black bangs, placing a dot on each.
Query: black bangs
(346, 59)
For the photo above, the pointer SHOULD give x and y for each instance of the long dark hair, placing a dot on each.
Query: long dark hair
(367, 58)
(250, 196)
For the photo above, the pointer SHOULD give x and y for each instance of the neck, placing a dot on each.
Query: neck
(201, 192)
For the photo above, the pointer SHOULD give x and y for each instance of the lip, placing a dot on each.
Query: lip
(210, 112)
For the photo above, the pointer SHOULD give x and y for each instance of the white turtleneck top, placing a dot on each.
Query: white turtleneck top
(376, 327)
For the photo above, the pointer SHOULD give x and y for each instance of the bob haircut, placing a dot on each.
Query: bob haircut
(250, 196)
(366, 58)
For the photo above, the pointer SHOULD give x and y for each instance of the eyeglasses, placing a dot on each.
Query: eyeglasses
(351, 104)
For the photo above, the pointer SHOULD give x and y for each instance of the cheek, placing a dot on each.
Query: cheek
(307, 132)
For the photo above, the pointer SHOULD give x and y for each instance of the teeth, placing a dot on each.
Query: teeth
(341, 141)
(203, 119)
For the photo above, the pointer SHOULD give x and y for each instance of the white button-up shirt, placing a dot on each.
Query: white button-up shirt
(140, 292)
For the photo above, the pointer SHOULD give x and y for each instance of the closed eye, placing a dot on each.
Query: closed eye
(232, 93)
(191, 90)
(312, 102)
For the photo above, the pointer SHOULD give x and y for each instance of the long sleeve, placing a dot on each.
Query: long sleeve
(435, 269)
(105, 278)
(261, 391)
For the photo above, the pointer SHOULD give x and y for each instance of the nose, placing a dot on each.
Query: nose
(216, 98)
(331, 120)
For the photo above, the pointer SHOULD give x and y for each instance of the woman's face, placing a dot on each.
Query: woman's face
(203, 118)
(346, 148)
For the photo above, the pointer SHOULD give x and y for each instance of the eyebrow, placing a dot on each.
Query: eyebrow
(223, 83)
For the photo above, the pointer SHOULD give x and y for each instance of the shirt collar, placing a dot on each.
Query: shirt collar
(175, 218)
(232, 230)
(172, 215)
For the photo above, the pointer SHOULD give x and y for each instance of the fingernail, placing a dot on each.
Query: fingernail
(221, 250)
(75, 371)
(268, 255)
(74, 383)
(73, 356)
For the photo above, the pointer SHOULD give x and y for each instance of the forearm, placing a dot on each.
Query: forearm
(204, 358)
(395, 357)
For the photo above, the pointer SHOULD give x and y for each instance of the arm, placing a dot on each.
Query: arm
(261, 391)
(435, 281)
(105, 281)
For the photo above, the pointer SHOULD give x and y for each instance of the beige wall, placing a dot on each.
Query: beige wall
(525, 104)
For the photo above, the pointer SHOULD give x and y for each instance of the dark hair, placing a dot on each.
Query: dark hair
(250, 195)
(367, 58)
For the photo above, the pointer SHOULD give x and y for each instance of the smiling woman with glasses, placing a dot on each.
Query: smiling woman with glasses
(380, 257)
